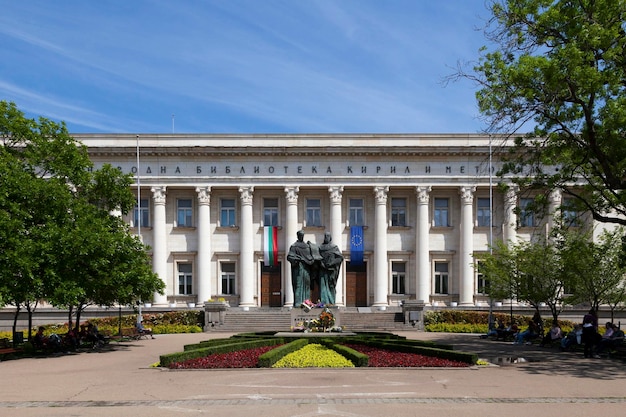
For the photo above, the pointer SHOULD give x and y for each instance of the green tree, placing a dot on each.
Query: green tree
(61, 241)
(595, 274)
(559, 67)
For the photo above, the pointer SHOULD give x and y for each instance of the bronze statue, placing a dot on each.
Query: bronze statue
(329, 269)
(301, 259)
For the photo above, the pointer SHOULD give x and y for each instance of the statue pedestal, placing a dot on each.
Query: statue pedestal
(300, 316)
(413, 311)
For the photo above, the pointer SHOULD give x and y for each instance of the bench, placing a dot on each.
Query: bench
(134, 334)
(6, 347)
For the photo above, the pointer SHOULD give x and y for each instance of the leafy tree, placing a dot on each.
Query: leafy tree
(559, 66)
(595, 274)
(60, 241)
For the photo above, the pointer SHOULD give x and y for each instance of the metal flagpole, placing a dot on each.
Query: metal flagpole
(139, 315)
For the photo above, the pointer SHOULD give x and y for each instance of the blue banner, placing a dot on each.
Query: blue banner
(356, 245)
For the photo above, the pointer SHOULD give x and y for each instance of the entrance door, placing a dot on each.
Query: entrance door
(271, 295)
(356, 285)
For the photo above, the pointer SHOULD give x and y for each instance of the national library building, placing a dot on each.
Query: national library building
(411, 214)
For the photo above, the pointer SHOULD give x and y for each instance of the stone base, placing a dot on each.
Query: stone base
(314, 334)
(300, 315)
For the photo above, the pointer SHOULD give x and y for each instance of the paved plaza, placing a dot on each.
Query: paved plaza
(119, 381)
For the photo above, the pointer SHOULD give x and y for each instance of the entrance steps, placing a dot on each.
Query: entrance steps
(279, 319)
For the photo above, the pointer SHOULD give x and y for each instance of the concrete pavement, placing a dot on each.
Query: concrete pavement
(120, 382)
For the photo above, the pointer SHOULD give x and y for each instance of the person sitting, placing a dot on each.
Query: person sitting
(505, 333)
(613, 336)
(554, 335)
(573, 338)
(532, 332)
(144, 331)
(43, 342)
(94, 336)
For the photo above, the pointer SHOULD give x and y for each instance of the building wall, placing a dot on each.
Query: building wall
(374, 168)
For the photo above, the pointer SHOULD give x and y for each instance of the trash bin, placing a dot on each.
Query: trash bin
(18, 338)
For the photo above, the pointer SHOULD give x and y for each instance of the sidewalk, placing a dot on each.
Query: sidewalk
(120, 382)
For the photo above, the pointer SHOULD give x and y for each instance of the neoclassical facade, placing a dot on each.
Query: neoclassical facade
(412, 214)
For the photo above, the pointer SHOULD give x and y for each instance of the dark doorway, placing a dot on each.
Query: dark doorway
(271, 286)
(356, 285)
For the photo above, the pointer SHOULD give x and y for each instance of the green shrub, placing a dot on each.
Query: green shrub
(167, 359)
(268, 359)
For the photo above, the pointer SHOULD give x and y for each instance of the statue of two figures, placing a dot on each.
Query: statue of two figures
(313, 265)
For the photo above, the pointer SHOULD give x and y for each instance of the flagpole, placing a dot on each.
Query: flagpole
(139, 315)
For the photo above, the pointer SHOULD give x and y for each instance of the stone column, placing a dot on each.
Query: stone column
(291, 228)
(246, 255)
(423, 248)
(466, 258)
(381, 271)
(509, 227)
(159, 241)
(335, 231)
(553, 210)
(203, 262)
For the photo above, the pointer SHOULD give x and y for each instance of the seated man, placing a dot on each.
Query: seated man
(613, 336)
(143, 331)
(554, 335)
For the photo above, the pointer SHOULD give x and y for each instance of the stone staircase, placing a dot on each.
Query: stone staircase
(279, 319)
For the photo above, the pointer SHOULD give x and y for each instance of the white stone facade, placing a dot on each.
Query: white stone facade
(423, 201)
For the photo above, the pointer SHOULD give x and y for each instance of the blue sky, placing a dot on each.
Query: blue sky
(243, 66)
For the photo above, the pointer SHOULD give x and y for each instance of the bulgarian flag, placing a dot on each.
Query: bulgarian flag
(270, 239)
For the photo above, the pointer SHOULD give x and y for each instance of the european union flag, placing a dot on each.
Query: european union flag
(356, 245)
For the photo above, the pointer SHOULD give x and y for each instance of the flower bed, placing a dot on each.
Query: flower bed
(314, 355)
(381, 358)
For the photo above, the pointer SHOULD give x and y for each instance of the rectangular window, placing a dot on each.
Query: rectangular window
(144, 213)
(483, 212)
(441, 278)
(183, 213)
(270, 212)
(356, 212)
(185, 279)
(398, 211)
(398, 274)
(527, 217)
(227, 212)
(313, 212)
(441, 212)
(569, 213)
(228, 278)
(482, 284)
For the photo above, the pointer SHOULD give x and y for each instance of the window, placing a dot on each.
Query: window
(442, 212)
(441, 278)
(569, 213)
(482, 284)
(183, 213)
(398, 211)
(398, 274)
(185, 279)
(527, 217)
(356, 212)
(227, 212)
(313, 212)
(144, 214)
(483, 212)
(270, 212)
(228, 278)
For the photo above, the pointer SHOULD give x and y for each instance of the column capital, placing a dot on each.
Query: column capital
(246, 194)
(467, 194)
(158, 194)
(335, 193)
(204, 195)
(292, 194)
(423, 192)
(555, 196)
(380, 194)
